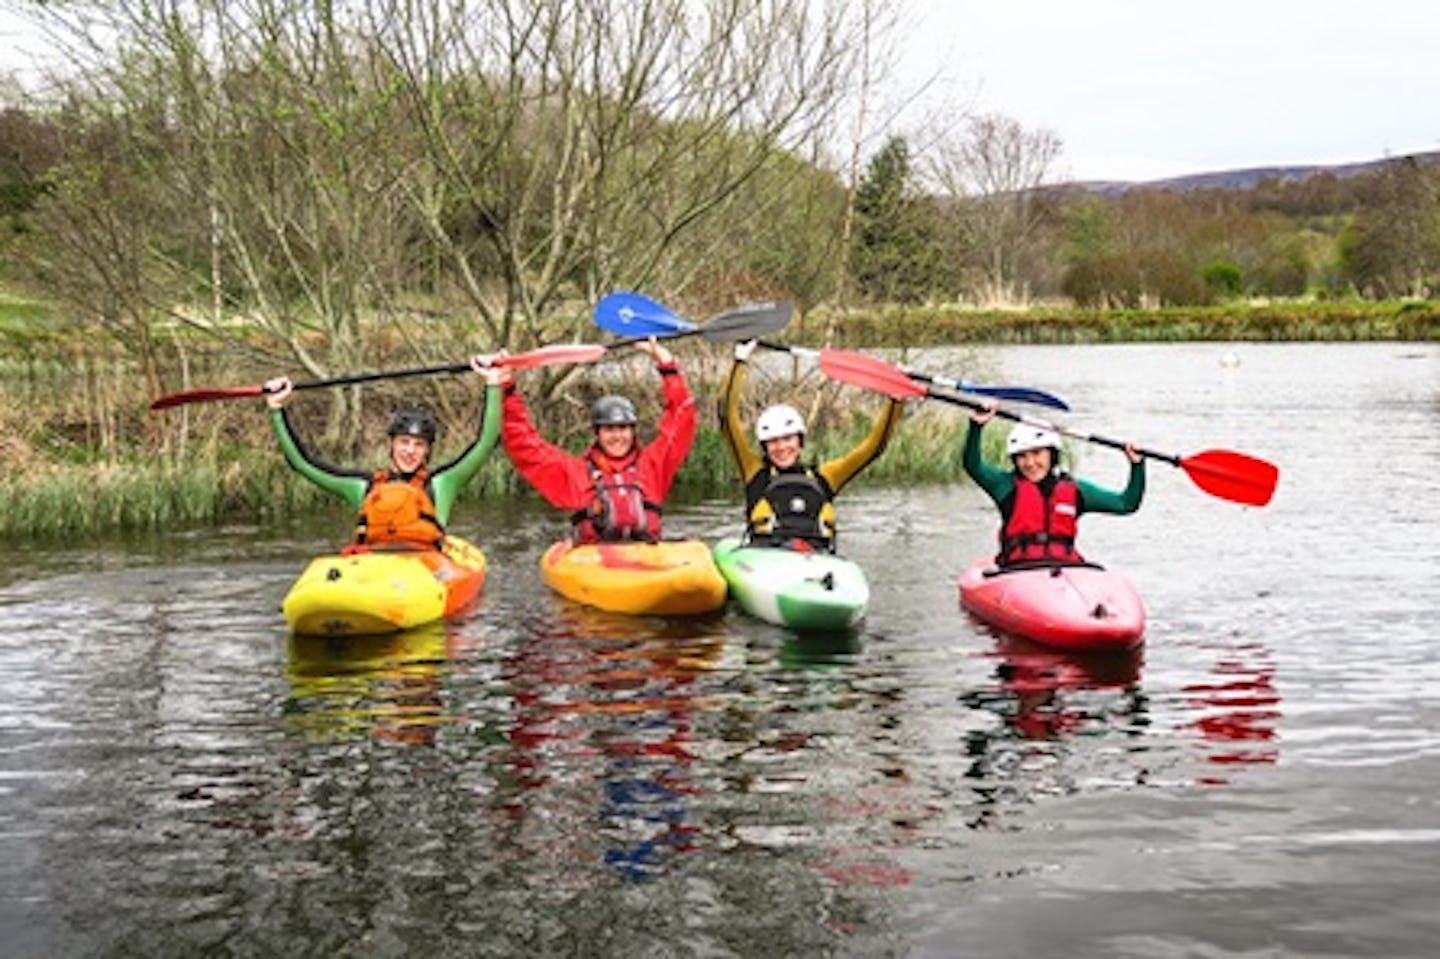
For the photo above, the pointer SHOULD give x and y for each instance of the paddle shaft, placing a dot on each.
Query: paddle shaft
(899, 376)
(742, 322)
(355, 378)
(1045, 425)
(1227, 474)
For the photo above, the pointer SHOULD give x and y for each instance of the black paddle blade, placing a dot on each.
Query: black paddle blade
(749, 321)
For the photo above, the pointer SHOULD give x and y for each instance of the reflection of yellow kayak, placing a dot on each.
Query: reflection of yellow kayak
(344, 687)
(318, 663)
(368, 592)
(669, 578)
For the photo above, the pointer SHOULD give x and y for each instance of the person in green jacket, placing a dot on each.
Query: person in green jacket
(1040, 506)
(406, 504)
(790, 503)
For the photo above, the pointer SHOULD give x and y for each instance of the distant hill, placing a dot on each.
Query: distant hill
(1244, 179)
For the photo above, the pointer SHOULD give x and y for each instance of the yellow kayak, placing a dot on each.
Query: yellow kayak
(669, 578)
(368, 591)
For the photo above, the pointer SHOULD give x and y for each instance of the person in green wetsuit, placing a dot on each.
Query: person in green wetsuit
(789, 503)
(1040, 506)
(406, 504)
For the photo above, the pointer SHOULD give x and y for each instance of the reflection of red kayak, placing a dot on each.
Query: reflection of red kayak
(1072, 607)
(1027, 666)
(1042, 679)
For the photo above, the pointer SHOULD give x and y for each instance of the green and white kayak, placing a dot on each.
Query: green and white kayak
(807, 592)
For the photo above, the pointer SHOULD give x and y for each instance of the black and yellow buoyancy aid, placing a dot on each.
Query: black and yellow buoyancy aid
(789, 505)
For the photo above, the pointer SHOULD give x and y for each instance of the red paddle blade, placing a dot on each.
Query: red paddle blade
(1233, 476)
(556, 355)
(206, 396)
(869, 373)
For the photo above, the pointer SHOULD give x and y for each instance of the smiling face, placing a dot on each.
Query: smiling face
(784, 451)
(615, 439)
(1034, 465)
(408, 453)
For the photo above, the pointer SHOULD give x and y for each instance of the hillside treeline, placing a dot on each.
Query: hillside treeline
(308, 186)
(1373, 235)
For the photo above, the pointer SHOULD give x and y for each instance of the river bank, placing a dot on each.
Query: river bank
(1337, 321)
(81, 454)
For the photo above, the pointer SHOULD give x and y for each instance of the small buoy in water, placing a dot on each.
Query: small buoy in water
(1230, 359)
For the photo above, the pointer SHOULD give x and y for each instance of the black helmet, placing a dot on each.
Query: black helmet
(413, 421)
(612, 411)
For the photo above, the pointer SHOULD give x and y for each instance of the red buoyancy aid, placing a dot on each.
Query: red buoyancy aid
(619, 509)
(399, 510)
(1041, 527)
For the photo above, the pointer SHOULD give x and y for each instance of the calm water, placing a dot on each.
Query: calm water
(180, 777)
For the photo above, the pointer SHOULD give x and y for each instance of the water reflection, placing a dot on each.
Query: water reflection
(1055, 714)
(1239, 709)
(603, 727)
(819, 650)
(1042, 689)
(386, 687)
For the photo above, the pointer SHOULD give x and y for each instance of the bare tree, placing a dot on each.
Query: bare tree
(988, 180)
(338, 171)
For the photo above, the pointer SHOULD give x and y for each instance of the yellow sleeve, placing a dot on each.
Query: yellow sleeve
(747, 460)
(841, 470)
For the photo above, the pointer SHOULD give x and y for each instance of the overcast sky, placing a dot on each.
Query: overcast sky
(1144, 89)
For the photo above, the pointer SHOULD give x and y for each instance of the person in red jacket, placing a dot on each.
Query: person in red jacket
(616, 488)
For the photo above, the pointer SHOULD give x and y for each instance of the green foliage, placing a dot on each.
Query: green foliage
(1223, 279)
(1392, 247)
(895, 253)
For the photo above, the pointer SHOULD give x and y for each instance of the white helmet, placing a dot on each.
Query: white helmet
(777, 421)
(1025, 437)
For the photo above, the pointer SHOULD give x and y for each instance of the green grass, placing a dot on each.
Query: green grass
(15, 308)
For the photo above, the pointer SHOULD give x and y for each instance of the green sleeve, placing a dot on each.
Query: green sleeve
(447, 481)
(1098, 499)
(348, 486)
(997, 483)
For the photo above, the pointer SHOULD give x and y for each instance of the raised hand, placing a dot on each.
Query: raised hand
(277, 391)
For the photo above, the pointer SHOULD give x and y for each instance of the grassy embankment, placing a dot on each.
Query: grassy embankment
(80, 454)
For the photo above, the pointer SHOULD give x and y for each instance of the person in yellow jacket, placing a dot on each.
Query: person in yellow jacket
(790, 503)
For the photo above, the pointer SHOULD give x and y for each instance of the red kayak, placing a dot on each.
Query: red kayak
(1079, 606)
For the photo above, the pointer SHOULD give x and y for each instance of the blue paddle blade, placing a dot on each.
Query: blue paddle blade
(630, 314)
(1020, 394)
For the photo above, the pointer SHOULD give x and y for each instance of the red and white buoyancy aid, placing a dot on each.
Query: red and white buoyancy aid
(619, 509)
(1041, 527)
(398, 509)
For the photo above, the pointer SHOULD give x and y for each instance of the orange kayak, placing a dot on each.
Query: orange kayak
(668, 578)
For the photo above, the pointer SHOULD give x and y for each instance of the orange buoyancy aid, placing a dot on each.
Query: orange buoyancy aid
(618, 510)
(1041, 526)
(397, 509)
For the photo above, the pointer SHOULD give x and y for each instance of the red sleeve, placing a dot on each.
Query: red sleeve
(559, 476)
(662, 457)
